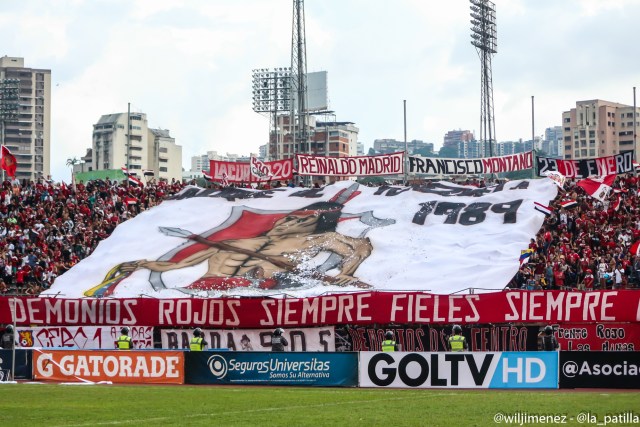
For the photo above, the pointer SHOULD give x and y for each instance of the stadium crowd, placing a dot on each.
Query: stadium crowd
(46, 228)
(585, 243)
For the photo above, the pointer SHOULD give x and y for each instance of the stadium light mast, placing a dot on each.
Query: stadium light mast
(271, 90)
(483, 37)
(9, 105)
(300, 127)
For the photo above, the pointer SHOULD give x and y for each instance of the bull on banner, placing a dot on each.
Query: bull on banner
(305, 242)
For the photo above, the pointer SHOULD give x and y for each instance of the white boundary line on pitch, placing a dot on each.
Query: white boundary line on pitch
(244, 411)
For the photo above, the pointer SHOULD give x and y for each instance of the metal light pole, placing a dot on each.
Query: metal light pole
(406, 152)
(635, 120)
(533, 137)
(483, 37)
(9, 105)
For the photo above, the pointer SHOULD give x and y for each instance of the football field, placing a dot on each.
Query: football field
(54, 405)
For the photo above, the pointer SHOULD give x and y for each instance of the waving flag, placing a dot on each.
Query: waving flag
(568, 204)
(556, 177)
(542, 208)
(598, 187)
(524, 256)
(8, 162)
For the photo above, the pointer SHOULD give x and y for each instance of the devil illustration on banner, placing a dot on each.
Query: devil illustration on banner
(265, 250)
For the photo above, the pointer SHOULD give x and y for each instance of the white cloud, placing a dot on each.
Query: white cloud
(188, 64)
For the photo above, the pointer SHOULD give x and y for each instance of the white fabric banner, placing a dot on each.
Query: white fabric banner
(383, 164)
(300, 339)
(82, 337)
(439, 237)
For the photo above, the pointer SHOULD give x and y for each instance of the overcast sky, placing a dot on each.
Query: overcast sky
(187, 64)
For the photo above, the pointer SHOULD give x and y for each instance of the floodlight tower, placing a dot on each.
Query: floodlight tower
(299, 126)
(9, 103)
(483, 37)
(272, 95)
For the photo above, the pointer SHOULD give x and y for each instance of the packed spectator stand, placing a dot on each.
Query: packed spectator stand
(585, 243)
(47, 227)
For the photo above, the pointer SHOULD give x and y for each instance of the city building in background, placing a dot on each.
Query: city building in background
(553, 144)
(140, 149)
(454, 137)
(25, 119)
(385, 146)
(597, 128)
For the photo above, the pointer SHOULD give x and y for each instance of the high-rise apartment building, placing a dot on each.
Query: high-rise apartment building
(28, 135)
(142, 148)
(331, 139)
(552, 143)
(454, 137)
(597, 128)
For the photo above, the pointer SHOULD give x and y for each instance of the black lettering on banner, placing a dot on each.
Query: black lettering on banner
(265, 339)
(389, 373)
(172, 340)
(425, 210)
(451, 210)
(424, 369)
(325, 344)
(298, 337)
(609, 333)
(312, 193)
(509, 209)
(214, 340)
(231, 344)
(391, 191)
(472, 214)
(545, 165)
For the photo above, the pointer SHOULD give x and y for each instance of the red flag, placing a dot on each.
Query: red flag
(598, 187)
(8, 162)
(617, 203)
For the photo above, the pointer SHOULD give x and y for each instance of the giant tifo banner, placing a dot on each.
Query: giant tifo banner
(598, 336)
(435, 338)
(82, 337)
(602, 166)
(484, 165)
(459, 370)
(299, 339)
(143, 367)
(385, 164)
(241, 171)
(434, 237)
(358, 308)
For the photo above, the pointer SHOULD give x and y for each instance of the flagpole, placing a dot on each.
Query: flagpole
(533, 137)
(13, 344)
(406, 151)
(635, 120)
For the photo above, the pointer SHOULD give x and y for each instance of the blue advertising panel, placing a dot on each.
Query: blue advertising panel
(307, 369)
(526, 370)
(23, 363)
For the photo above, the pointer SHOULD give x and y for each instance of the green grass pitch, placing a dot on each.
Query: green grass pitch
(54, 405)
